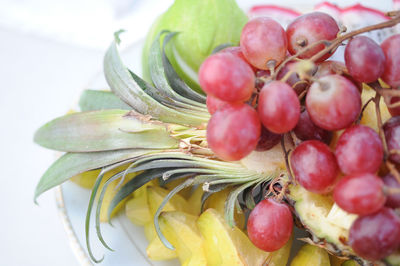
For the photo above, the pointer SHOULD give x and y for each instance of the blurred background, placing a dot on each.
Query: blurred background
(49, 51)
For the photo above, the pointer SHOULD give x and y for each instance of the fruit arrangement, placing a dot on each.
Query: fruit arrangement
(283, 137)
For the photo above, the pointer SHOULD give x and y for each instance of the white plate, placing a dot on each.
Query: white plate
(126, 239)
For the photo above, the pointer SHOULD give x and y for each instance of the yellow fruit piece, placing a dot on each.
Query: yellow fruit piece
(281, 256)
(350, 263)
(142, 191)
(155, 195)
(335, 261)
(86, 179)
(217, 202)
(137, 210)
(111, 191)
(186, 192)
(156, 250)
(311, 255)
(230, 246)
(219, 238)
(369, 114)
(194, 201)
(181, 230)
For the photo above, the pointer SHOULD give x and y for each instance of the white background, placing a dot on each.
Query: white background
(49, 50)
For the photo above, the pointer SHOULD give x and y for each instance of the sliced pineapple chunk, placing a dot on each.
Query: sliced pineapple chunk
(194, 200)
(355, 263)
(86, 179)
(336, 261)
(311, 255)
(230, 246)
(181, 230)
(110, 193)
(217, 202)
(156, 250)
(155, 196)
(321, 215)
(137, 210)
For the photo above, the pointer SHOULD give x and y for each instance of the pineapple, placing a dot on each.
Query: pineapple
(158, 132)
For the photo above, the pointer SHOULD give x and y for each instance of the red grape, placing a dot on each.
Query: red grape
(227, 77)
(263, 40)
(360, 193)
(393, 200)
(293, 79)
(375, 236)
(331, 67)
(307, 130)
(233, 131)
(270, 225)
(237, 51)
(308, 29)
(333, 102)
(278, 107)
(267, 140)
(391, 48)
(359, 150)
(392, 135)
(364, 59)
(213, 104)
(314, 166)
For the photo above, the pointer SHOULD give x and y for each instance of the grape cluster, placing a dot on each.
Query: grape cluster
(278, 82)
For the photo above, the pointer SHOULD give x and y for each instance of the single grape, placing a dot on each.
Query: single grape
(392, 135)
(213, 104)
(227, 77)
(233, 131)
(267, 140)
(331, 67)
(360, 193)
(364, 59)
(393, 200)
(278, 107)
(314, 166)
(391, 48)
(307, 130)
(333, 102)
(308, 29)
(375, 236)
(237, 51)
(294, 80)
(263, 40)
(359, 150)
(270, 225)
(394, 111)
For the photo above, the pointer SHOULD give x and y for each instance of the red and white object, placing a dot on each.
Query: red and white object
(281, 14)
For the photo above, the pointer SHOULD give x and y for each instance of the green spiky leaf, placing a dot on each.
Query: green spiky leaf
(92, 100)
(103, 130)
(72, 164)
(132, 89)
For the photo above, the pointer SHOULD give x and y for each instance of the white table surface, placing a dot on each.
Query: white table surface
(40, 78)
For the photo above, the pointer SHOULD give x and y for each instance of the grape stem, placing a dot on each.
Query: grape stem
(286, 155)
(363, 109)
(377, 87)
(338, 41)
(331, 46)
